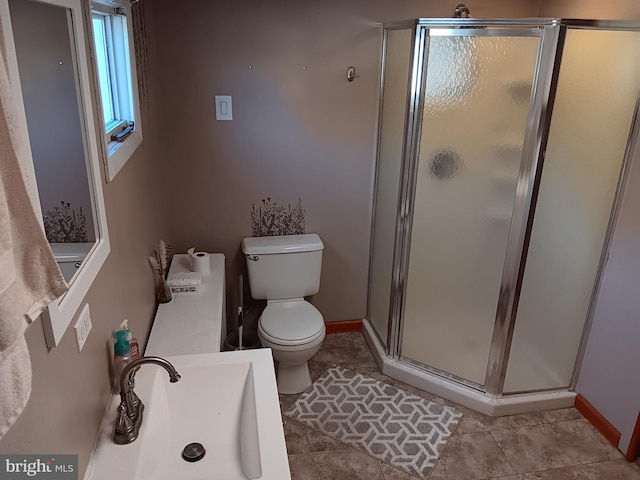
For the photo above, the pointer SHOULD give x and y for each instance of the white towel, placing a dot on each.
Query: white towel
(29, 275)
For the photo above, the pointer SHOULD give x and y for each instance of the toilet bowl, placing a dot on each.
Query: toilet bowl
(283, 270)
(294, 331)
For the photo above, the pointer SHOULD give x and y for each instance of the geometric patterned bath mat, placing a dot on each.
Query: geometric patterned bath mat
(385, 422)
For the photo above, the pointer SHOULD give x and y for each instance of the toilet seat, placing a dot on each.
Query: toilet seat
(294, 322)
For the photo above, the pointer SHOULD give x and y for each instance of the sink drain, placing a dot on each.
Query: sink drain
(193, 452)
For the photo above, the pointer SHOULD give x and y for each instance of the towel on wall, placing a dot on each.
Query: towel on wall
(29, 275)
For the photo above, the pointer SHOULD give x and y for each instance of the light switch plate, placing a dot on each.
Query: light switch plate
(83, 327)
(224, 108)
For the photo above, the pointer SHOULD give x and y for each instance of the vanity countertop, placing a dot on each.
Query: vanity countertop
(191, 323)
(226, 401)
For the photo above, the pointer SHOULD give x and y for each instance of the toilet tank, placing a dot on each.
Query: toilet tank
(282, 267)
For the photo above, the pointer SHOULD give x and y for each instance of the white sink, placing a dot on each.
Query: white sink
(228, 402)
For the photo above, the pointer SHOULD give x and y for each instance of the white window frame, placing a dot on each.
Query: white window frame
(123, 80)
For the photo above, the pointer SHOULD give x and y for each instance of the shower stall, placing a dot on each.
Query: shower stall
(502, 152)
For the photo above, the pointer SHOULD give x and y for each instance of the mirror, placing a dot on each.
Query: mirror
(48, 81)
(47, 41)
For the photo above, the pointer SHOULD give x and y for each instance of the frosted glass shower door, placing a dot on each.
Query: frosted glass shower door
(476, 103)
(598, 86)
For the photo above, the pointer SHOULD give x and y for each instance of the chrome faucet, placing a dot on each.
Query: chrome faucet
(130, 408)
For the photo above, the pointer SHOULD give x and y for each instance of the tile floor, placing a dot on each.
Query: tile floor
(550, 445)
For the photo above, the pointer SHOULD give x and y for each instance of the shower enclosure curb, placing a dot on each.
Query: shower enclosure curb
(462, 395)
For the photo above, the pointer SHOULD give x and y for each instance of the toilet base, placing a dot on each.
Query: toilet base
(293, 378)
(292, 373)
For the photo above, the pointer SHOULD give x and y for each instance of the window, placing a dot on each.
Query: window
(115, 65)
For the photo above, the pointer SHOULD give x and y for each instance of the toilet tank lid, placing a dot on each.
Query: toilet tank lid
(307, 242)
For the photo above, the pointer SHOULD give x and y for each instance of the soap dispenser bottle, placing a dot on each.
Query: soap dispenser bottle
(133, 342)
(121, 354)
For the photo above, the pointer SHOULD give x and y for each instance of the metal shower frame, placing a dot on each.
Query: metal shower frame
(552, 33)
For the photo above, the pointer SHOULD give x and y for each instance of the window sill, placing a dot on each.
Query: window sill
(118, 153)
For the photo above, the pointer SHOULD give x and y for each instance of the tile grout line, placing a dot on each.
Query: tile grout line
(532, 425)
(444, 450)
(504, 453)
(577, 465)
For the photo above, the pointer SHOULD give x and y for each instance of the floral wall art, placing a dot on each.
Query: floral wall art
(63, 224)
(271, 218)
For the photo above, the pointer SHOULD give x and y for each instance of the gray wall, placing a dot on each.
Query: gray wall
(300, 130)
(609, 375)
(598, 9)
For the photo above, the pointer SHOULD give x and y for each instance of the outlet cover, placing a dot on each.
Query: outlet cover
(83, 327)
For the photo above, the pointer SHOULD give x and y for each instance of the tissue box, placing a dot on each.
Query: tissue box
(185, 282)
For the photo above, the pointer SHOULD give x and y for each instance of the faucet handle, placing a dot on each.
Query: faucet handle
(132, 404)
(125, 431)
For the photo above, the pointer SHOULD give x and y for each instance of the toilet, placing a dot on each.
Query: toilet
(283, 270)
